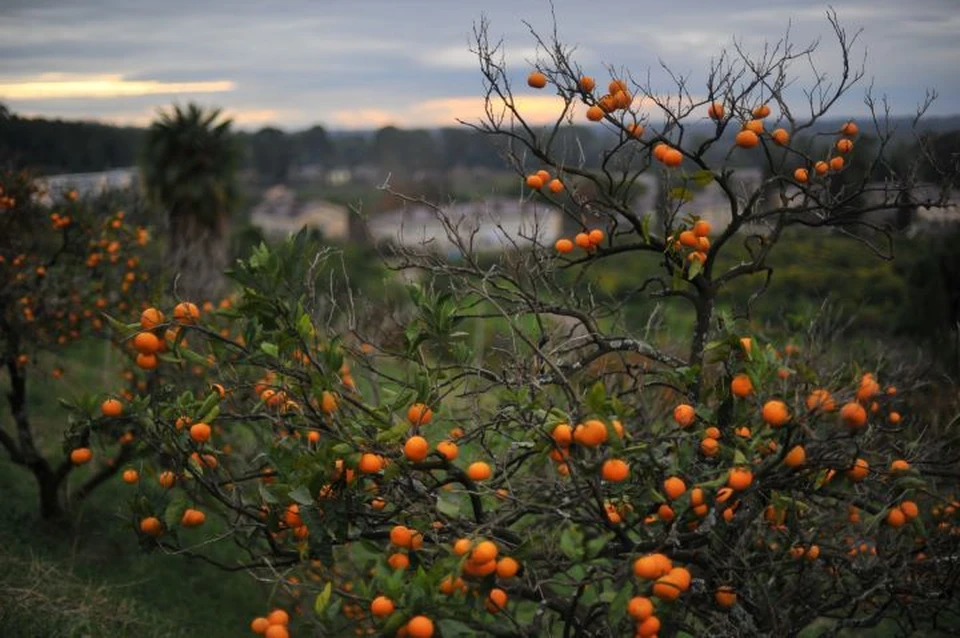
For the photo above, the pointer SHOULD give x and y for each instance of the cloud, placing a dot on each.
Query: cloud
(55, 86)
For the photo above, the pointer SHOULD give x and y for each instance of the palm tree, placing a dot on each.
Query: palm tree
(189, 168)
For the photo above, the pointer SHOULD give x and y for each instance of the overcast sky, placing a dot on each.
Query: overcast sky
(367, 63)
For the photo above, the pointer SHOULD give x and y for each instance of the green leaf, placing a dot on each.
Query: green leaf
(450, 627)
(301, 495)
(645, 228)
(174, 510)
(702, 177)
(618, 606)
(571, 543)
(739, 458)
(323, 598)
(448, 503)
(596, 397)
(696, 267)
(269, 348)
(266, 495)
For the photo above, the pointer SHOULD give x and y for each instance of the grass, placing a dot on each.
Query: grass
(89, 576)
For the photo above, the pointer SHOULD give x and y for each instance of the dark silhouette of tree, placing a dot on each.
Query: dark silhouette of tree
(189, 166)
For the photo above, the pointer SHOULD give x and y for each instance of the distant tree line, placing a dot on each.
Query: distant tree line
(276, 156)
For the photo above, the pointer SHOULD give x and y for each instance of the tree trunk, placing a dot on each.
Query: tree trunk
(700, 333)
(198, 253)
(23, 451)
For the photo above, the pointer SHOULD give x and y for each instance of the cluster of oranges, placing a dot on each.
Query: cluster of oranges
(695, 239)
(668, 583)
(541, 179)
(749, 135)
(589, 240)
(617, 98)
(592, 433)
(273, 625)
(843, 146)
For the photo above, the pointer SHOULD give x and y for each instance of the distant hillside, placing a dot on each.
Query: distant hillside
(58, 146)
(274, 155)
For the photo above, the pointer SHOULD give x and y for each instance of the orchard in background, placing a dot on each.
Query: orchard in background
(501, 454)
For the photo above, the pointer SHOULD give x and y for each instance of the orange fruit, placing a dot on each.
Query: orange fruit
(416, 448)
(853, 415)
(147, 361)
(563, 246)
(899, 466)
(801, 175)
(595, 236)
(635, 130)
(151, 318)
(381, 607)
(147, 343)
(398, 561)
(166, 479)
(420, 627)
(186, 312)
(666, 588)
(534, 182)
(701, 228)
(689, 239)
(796, 457)
(896, 517)
(684, 415)
(483, 552)
(80, 455)
(674, 487)
(652, 566)
(615, 470)
(910, 509)
(821, 168)
(278, 617)
(761, 111)
(563, 435)
(192, 518)
(741, 386)
(844, 145)
(419, 414)
(259, 625)
(640, 608)
(836, 163)
(537, 80)
(507, 567)
(850, 129)
(461, 546)
(739, 478)
(151, 526)
(595, 113)
(370, 463)
(725, 596)
(200, 432)
(673, 158)
(820, 399)
(448, 450)
(590, 433)
(715, 111)
(401, 536)
(130, 476)
(555, 186)
(583, 241)
(277, 631)
(712, 432)
(709, 447)
(781, 137)
(747, 139)
(859, 471)
(111, 408)
(649, 627)
(894, 417)
(587, 84)
(666, 513)
(775, 413)
(659, 151)
(754, 126)
(496, 600)
(479, 471)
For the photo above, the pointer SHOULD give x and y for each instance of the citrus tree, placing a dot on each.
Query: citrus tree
(60, 267)
(502, 453)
